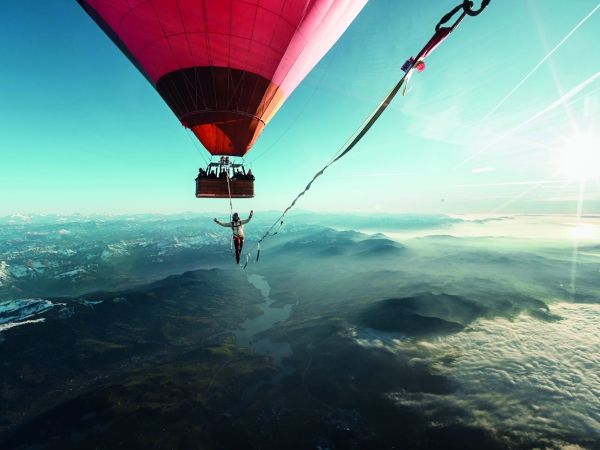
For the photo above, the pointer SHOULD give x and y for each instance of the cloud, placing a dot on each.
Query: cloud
(443, 125)
(526, 381)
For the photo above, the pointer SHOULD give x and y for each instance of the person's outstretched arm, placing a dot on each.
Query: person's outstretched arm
(228, 224)
(244, 222)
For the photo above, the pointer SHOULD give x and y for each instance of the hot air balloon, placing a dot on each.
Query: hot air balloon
(224, 67)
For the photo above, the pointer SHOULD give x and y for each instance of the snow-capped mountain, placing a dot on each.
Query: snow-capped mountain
(45, 255)
(85, 249)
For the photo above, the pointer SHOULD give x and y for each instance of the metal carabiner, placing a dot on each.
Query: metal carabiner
(448, 16)
(468, 7)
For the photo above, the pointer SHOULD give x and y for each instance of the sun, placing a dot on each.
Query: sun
(580, 160)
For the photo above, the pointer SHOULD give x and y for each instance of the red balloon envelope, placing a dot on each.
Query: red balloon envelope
(224, 67)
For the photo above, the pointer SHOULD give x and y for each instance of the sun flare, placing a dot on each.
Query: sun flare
(581, 159)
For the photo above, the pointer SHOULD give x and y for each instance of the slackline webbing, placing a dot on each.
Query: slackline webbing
(365, 128)
(441, 33)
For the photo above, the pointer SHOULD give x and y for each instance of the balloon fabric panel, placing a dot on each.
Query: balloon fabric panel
(224, 67)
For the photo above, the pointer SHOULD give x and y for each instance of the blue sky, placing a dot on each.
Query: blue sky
(82, 131)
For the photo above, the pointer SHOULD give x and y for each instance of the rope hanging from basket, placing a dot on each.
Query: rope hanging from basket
(230, 213)
(412, 64)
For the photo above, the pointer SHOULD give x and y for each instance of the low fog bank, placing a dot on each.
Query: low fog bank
(525, 380)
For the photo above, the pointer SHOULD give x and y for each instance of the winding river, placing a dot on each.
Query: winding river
(269, 318)
(250, 327)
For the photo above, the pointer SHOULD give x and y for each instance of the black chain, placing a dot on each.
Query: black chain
(468, 7)
(448, 16)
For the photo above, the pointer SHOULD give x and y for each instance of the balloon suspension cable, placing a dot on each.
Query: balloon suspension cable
(441, 33)
(188, 132)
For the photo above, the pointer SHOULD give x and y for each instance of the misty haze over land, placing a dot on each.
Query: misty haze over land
(370, 331)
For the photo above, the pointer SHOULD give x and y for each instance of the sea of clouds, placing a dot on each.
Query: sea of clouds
(524, 380)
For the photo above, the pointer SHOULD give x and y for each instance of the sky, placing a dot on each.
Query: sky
(81, 130)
